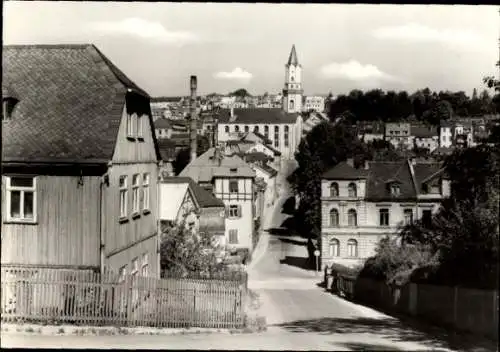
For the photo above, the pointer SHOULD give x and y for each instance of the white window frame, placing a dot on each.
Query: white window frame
(130, 126)
(136, 183)
(334, 247)
(384, 210)
(334, 223)
(350, 214)
(140, 127)
(237, 186)
(146, 192)
(236, 213)
(352, 248)
(405, 217)
(122, 273)
(123, 200)
(352, 190)
(233, 232)
(145, 265)
(22, 190)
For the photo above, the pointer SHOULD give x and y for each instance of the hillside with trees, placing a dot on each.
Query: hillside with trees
(423, 105)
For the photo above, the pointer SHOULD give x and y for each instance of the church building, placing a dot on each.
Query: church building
(282, 126)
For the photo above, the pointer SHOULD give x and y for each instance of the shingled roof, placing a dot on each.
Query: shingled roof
(206, 167)
(257, 116)
(71, 100)
(380, 175)
(204, 198)
(344, 171)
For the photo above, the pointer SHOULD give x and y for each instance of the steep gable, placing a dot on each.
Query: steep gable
(71, 100)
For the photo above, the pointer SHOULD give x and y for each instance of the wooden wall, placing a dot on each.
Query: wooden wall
(67, 231)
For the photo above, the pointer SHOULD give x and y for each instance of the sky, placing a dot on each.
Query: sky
(341, 47)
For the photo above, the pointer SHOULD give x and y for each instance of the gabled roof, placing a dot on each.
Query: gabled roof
(204, 198)
(165, 99)
(257, 116)
(207, 166)
(71, 100)
(344, 171)
(171, 197)
(382, 173)
(255, 157)
(292, 59)
(267, 169)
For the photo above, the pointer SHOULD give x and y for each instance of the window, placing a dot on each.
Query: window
(256, 129)
(334, 189)
(122, 273)
(351, 189)
(286, 136)
(334, 217)
(395, 191)
(425, 188)
(408, 216)
(292, 104)
(135, 194)
(233, 236)
(435, 189)
(426, 217)
(226, 129)
(352, 218)
(292, 79)
(134, 273)
(123, 196)
(352, 248)
(21, 198)
(334, 247)
(236, 128)
(145, 265)
(276, 136)
(130, 126)
(140, 128)
(266, 131)
(233, 186)
(384, 217)
(234, 211)
(145, 192)
(247, 129)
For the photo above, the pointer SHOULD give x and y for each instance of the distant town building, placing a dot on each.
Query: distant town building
(425, 136)
(314, 103)
(360, 206)
(369, 131)
(399, 135)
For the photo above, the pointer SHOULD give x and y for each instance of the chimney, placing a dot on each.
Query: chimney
(194, 119)
(350, 162)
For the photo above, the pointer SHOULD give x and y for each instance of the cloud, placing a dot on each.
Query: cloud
(355, 71)
(419, 33)
(145, 29)
(236, 74)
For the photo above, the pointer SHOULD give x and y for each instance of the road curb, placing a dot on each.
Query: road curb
(71, 330)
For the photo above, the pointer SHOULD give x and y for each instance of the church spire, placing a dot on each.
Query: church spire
(292, 59)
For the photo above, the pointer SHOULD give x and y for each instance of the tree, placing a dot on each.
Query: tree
(241, 93)
(184, 252)
(322, 148)
(440, 111)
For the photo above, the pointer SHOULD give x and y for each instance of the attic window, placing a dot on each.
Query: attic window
(395, 190)
(8, 104)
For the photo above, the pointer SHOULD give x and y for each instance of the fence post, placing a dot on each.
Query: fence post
(128, 292)
(194, 307)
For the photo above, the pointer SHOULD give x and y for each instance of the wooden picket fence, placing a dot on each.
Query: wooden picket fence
(85, 297)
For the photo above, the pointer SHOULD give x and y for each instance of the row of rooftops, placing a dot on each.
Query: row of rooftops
(409, 174)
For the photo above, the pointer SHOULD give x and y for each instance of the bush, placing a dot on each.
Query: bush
(394, 261)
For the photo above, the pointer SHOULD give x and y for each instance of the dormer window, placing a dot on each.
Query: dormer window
(8, 104)
(395, 190)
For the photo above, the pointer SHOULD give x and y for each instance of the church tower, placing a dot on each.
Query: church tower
(292, 93)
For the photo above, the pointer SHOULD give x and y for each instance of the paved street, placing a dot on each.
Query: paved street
(300, 315)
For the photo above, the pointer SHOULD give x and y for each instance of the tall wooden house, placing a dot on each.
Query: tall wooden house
(80, 163)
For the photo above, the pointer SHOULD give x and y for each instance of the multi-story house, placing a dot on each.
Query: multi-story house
(79, 163)
(399, 135)
(445, 134)
(370, 130)
(231, 180)
(314, 103)
(425, 136)
(359, 206)
(456, 133)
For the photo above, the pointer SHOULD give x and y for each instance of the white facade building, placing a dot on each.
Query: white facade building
(315, 103)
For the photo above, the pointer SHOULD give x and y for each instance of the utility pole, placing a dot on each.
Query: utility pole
(193, 119)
